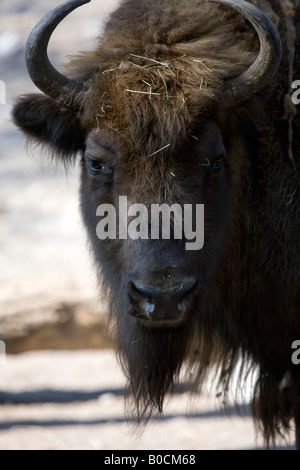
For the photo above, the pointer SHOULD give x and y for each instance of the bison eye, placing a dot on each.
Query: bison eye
(97, 168)
(219, 163)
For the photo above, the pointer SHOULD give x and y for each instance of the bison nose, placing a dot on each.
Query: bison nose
(159, 305)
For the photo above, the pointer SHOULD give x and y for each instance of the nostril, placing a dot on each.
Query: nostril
(141, 298)
(189, 292)
(167, 302)
(186, 288)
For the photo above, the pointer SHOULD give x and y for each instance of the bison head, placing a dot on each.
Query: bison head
(148, 114)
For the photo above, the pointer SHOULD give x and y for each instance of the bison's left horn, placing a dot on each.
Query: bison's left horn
(41, 71)
(267, 62)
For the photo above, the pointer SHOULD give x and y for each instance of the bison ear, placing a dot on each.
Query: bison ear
(47, 122)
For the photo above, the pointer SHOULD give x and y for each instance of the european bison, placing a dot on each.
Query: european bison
(186, 103)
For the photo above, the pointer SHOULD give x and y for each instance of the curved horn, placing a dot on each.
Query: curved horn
(267, 62)
(41, 71)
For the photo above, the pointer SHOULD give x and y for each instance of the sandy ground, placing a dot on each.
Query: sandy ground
(68, 400)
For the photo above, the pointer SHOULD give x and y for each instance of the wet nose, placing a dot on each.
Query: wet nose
(162, 304)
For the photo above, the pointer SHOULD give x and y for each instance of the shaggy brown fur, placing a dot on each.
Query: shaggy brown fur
(154, 78)
(155, 83)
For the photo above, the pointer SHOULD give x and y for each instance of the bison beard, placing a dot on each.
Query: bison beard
(151, 360)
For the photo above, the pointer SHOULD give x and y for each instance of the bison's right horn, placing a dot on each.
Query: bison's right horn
(41, 71)
(267, 62)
